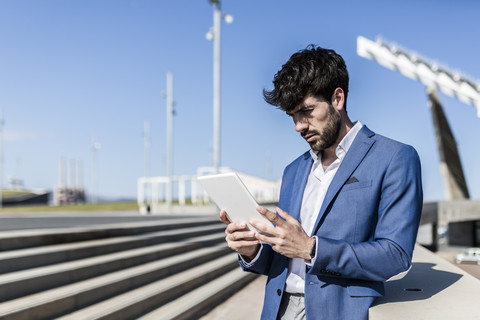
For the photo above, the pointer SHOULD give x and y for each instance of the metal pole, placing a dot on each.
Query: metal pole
(1, 159)
(95, 149)
(169, 139)
(146, 144)
(94, 175)
(71, 175)
(61, 173)
(216, 85)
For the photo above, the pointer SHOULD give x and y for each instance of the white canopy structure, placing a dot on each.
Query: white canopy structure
(434, 78)
(430, 74)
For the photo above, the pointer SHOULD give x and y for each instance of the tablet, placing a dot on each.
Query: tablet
(230, 194)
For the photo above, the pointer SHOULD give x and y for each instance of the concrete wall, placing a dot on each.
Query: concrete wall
(433, 289)
(462, 234)
(460, 216)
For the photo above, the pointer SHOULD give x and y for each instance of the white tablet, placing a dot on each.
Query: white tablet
(231, 195)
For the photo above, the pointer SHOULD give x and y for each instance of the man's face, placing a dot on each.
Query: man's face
(317, 121)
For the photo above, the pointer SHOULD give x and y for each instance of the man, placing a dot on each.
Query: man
(349, 208)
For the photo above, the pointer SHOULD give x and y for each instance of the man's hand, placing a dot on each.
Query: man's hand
(287, 237)
(240, 238)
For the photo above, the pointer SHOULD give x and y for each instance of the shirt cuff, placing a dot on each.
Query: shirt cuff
(248, 264)
(312, 261)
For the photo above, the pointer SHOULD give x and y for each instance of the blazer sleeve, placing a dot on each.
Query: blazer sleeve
(262, 262)
(389, 251)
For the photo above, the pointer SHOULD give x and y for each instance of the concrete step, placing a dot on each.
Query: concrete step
(66, 299)
(133, 304)
(172, 268)
(21, 283)
(199, 301)
(11, 240)
(21, 259)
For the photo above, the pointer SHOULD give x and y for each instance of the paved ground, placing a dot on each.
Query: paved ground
(244, 305)
(78, 219)
(449, 253)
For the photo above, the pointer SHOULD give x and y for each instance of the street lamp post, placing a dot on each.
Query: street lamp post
(214, 34)
(170, 113)
(146, 147)
(1, 159)
(96, 146)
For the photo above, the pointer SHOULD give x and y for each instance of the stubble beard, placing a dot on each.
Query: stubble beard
(330, 133)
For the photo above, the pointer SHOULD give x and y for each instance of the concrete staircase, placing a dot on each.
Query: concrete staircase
(165, 269)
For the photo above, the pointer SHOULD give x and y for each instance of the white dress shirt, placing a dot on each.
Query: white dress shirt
(315, 190)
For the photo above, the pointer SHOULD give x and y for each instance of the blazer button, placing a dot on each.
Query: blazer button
(279, 292)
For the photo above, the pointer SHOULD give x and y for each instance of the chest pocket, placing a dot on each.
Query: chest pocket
(357, 185)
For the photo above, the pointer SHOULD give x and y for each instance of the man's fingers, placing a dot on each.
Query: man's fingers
(285, 215)
(236, 226)
(243, 242)
(263, 227)
(271, 216)
(223, 217)
(241, 235)
(241, 246)
(265, 237)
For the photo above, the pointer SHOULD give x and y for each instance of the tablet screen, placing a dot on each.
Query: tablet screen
(230, 194)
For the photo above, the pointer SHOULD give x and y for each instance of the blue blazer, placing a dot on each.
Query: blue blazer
(366, 229)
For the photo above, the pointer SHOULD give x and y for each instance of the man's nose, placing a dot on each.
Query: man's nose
(301, 125)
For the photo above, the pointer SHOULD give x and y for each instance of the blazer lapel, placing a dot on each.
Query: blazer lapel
(358, 150)
(301, 176)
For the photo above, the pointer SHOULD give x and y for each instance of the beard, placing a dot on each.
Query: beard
(330, 132)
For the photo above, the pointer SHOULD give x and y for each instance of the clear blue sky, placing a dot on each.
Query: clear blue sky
(70, 70)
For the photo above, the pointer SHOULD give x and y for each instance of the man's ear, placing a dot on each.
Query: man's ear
(338, 99)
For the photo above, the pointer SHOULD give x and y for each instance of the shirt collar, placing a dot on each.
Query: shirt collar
(344, 144)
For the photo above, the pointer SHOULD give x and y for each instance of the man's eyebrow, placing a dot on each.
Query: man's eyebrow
(296, 109)
(304, 108)
(292, 111)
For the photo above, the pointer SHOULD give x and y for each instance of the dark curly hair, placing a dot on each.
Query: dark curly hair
(314, 71)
